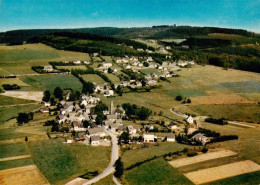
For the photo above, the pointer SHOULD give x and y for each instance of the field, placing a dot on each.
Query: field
(10, 150)
(60, 162)
(106, 181)
(155, 172)
(20, 59)
(200, 158)
(5, 100)
(221, 172)
(149, 71)
(11, 112)
(93, 78)
(28, 95)
(82, 67)
(113, 78)
(205, 85)
(27, 175)
(50, 82)
(130, 157)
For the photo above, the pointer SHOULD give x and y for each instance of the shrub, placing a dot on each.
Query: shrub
(178, 98)
(204, 150)
(192, 154)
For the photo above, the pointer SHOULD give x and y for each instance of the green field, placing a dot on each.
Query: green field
(10, 150)
(60, 162)
(245, 179)
(130, 157)
(105, 181)
(11, 112)
(4, 165)
(93, 78)
(82, 67)
(11, 133)
(50, 82)
(107, 58)
(113, 78)
(155, 172)
(149, 71)
(6, 100)
(20, 59)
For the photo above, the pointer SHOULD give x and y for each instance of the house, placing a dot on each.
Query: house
(44, 110)
(47, 104)
(148, 127)
(77, 62)
(61, 118)
(132, 130)
(86, 62)
(111, 117)
(98, 131)
(189, 120)
(48, 68)
(95, 140)
(149, 138)
(107, 65)
(113, 127)
(109, 93)
(173, 126)
(170, 138)
(128, 66)
(95, 54)
(200, 138)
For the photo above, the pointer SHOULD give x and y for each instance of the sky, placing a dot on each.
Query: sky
(32, 14)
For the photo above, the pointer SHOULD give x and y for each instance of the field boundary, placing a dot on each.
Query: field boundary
(15, 158)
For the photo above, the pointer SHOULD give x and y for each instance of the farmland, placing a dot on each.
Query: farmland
(155, 172)
(50, 82)
(93, 78)
(20, 59)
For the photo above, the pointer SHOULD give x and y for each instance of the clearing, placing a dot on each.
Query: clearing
(221, 172)
(28, 95)
(200, 158)
(27, 175)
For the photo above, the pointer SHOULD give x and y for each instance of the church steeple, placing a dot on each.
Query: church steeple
(112, 110)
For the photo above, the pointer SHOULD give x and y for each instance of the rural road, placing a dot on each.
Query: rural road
(114, 156)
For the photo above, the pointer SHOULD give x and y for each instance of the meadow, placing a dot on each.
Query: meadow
(50, 82)
(10, 150)
(5, 100)
(155, 172)
(93, 78)
(82, 67)
(20, 59)
(113, 78)
(60, 163)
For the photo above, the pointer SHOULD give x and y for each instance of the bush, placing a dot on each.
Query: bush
(221, 121)
(178, 98)
(204, 150)
(10, 87)
(192, 154)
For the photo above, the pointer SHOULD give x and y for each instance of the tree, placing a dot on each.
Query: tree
(146, 64)
(188, 100)
(178, 98)
(99, 118)
(124, 137)
(26, 138)
(109, 70)
(55, 127)
(86, 124)
(88, 88)
(52, 101)
(143, 113)
(46, 96)
(100, 108)
(58, 93)
(119, 90)
(22, 118)
(119, 167)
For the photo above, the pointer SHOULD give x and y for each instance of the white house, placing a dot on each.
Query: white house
(77, 62)
(48, 68)
(95, 140)
(189, 120)
(200, 138)
(107, 65)
(149, 138)
(47, 104)
(109, 93)
(170, 138)
(98, 131)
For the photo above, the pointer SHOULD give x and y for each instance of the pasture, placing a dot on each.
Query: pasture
(113, 78)
(20, 59)
(11, 150)
(27, 175)
(155, 172)
(50, 82)
(82, 67)
(93, 78)
(6, 100)
(150, 70)
(60, 163)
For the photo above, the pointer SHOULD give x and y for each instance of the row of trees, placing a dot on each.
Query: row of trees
(135, 112)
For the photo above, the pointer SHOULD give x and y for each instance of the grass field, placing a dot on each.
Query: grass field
(93, 78)
(155, 172)
(13, 81)
(5, 100)
(11, 112)
(50, 82)
(59, 162)
(82, 67)
(245, 179)
(113, 78)
(11, 133)
(149, 71)
(130, 157)
(107, 58)
(10, 150)
(19, 59)
(106, 181)
(4, 165)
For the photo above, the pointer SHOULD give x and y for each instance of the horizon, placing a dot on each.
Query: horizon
(57, 14)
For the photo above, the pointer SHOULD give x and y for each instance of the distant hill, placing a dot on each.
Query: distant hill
(155, 32)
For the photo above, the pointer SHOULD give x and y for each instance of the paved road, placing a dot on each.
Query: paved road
(114, 156)
(179, 114)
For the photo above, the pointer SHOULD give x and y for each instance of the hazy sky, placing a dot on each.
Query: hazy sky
(23, 14)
